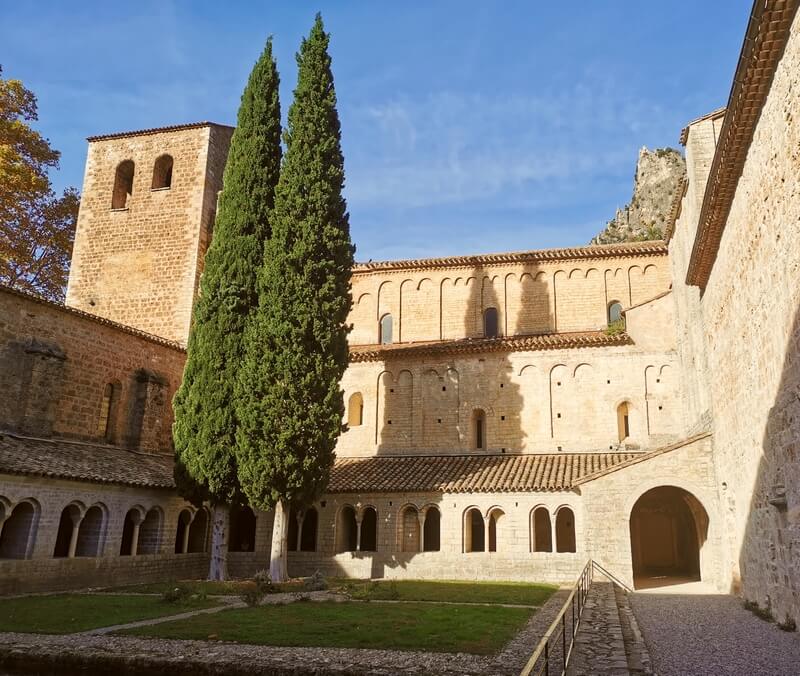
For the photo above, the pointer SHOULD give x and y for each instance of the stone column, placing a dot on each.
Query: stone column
(137, 521)
(301, 517)
(553, 547)
(358, 532)
(486, 521)
(421, 519)
(76, 517)
(185, 543)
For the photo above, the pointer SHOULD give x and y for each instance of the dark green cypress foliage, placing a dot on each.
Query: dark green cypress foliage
(297, 340)
(205, 420)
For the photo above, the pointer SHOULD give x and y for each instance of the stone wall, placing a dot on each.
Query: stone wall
(448, 303)
(137, 261)
(533, 402)
(56, 366)
(701, 139)
(751, 313)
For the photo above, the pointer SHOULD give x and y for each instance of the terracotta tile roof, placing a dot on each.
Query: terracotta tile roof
(81, 461)
(767, 34)
(94, 318)
(641, 457)
(468, 473)
(156, 130)
(656, 248)
(548, 341)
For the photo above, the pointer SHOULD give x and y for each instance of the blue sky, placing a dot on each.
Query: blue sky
(467, 127)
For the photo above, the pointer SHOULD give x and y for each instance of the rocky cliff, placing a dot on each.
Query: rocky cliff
(658, 176)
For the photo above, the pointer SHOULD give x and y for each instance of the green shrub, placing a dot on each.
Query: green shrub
(252, 597)
(764, 613)
(177, 594)
(263, 582)
(615, 328)
(316, 582)
(788, 624)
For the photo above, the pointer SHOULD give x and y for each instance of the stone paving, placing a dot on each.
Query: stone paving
(599, 646)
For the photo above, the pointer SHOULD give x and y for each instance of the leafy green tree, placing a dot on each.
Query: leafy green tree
(37, 226)
(205, 415)
(296, 342)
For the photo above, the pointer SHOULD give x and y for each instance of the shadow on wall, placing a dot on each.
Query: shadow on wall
(470, 405)
(768, 559)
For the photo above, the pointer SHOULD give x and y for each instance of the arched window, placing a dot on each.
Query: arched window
(409, 533)
(431, 538)
(182, 532)
(355, 410)
(565, 530)
(19, 532)
(494, 519)
(369, 530)
(490, 323)
(386, 329)
(474, 533)
(308, 538)
(614, 312)
(623, 421)
(123, 185)
(478, 429)
(243, 530)
(130, 533)
(162, 173)
(347, 530)
(542, 533)
(108, 411)
(198, 532)
(150, 532)
(70, 518)
(90, 532)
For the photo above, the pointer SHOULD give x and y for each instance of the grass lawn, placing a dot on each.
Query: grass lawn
(400, 626)
(67, 613)
(210, 588)
(522, 593)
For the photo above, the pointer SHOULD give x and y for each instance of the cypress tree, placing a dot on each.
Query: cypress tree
(296, 342)
(205, 417)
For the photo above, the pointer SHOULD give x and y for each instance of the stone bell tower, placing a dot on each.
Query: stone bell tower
(147, 211)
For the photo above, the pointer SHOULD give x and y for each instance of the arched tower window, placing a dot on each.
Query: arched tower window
(162, 173)
(490, 322)
(355, 410)
(614, 312)
(123, 185)
(386, 329)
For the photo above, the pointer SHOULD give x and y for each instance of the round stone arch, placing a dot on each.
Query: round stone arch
(697, 531)
(409, 531)
(345, 528)
(565, 528)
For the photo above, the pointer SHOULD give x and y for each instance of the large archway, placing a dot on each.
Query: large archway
(668, 527)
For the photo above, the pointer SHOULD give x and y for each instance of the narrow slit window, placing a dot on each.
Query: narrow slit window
(162, 173)
(123, 185)
(490, 322)
(386, 329)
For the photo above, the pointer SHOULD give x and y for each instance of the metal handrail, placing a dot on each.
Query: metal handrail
(539, 663)
(612, 577)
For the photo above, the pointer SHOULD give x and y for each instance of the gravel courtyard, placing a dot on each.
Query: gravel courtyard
(712, 634)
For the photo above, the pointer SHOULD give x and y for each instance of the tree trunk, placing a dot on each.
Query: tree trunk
(280, 533)
(218, 566)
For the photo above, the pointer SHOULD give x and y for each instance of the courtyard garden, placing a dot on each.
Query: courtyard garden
(432, 616)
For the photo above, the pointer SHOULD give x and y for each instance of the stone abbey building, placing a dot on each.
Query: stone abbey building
(509, 415)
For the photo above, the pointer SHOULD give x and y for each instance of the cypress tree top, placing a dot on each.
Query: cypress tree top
(205, 420)
(297, 339)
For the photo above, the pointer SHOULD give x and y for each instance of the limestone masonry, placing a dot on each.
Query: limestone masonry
(508, 415)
